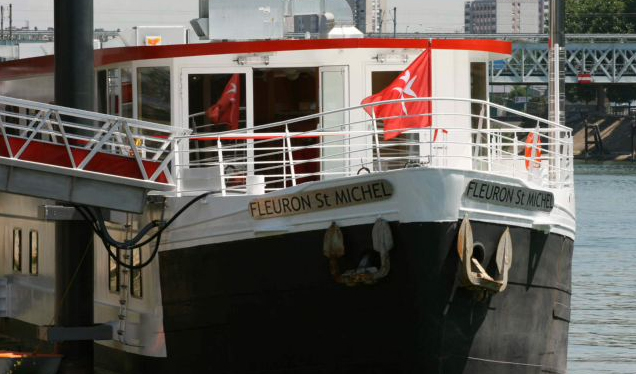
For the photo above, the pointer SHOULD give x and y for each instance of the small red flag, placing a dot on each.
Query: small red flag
(226, 110)
(415, 81)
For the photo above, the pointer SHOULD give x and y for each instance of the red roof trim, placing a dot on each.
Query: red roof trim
(44, 65)
(115, 55)
(27, 67)
(492, 46)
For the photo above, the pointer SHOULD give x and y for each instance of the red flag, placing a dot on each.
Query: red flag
(226, 110)
(415, 81)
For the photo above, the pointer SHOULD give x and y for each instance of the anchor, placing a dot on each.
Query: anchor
(472, 274)
(333, 249)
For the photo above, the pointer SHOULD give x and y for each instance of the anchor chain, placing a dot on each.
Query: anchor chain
(334, 249)
(472, 273)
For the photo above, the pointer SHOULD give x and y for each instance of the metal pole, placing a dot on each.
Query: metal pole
(74, 71)
(633, 133)
(586, 137)
(10, 21)
(556, 47)
(1, 22)
(394, 22)
(74, 87)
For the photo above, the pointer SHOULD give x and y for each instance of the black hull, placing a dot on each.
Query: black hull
(270, 305)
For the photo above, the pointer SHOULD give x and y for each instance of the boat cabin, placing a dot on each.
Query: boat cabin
(269, 82)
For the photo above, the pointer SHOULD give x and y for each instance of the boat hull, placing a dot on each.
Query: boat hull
(271, 305)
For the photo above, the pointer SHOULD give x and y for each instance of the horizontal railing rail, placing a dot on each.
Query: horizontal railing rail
(464, 134)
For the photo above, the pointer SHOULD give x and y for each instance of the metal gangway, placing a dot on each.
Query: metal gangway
(83, 157)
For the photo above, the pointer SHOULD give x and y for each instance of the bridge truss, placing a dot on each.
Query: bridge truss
(605, 58)
(604, 62)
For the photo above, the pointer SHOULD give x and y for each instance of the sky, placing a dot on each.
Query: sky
(412, 15)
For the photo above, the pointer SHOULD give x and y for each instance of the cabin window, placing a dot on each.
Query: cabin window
(113, 273)
(216, 102)
(153, 90)
(102, 95)
(136, 285)
(126, 98)
(114, 92)
(33, 252)
(17, 250)
(479, 91)
(282, 94)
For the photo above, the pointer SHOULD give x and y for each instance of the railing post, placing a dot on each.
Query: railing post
(284, 162)
(377, 140)
(558, 156)
(633, 128)
(488, 141)
(586, 137)
(515, 157)
(6, 139)
(431, 137)
(291, 156)
(219, 147)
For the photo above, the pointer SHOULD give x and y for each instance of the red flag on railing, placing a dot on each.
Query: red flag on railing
(415, 81)
(226, 110)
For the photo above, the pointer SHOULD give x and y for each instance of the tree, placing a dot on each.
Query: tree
(599, 16)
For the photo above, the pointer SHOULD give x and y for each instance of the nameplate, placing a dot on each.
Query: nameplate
(508, 195)
(324, 199)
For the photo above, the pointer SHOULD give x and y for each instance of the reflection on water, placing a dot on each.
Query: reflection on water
(603, 329)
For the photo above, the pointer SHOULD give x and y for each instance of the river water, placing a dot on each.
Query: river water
(603, 327)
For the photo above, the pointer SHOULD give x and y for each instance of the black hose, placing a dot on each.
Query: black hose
(99, 227)
(134, 267)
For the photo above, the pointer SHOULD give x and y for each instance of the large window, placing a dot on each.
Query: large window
(279, 95)
(17, 250)
(153, 90)
(216, 103)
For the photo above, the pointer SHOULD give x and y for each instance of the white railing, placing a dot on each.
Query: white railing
(465, 135)
(66, 138)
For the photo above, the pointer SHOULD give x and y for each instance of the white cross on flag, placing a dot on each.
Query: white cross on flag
(415, 81)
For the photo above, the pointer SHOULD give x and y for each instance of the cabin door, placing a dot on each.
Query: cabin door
(334, 94)
(215, 100)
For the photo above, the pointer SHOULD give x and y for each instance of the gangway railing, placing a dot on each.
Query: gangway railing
(464, 134)
(83, 157)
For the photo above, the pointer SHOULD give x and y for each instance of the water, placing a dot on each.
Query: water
(603, 329)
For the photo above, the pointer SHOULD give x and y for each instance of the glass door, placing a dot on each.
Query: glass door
(334, 94)
(217, 100)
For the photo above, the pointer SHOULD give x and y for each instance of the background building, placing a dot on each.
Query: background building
(505, 16)
(368, 15)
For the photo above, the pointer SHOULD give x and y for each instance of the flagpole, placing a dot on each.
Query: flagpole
(377, 139)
